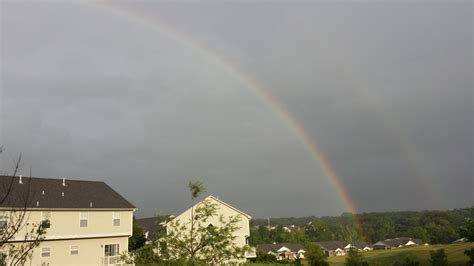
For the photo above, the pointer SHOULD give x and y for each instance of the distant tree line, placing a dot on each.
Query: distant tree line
(434, 227)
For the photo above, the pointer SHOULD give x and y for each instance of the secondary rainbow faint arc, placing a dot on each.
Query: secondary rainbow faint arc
(260, 90)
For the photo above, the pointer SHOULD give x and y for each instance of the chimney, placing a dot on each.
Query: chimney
(64, 181)
(20, 181)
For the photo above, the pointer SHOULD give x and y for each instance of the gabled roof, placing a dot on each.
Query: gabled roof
(276, 247)
(150, 225)
(224, 203)
(333, 245)
(398, 241)
(48, 193)
(360, 244)
(210, 197)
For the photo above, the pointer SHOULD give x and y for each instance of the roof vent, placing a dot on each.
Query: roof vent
(20, 181)
(62, 193)
(90, 204)
(42, 192)
(37, 204)
(64, 181)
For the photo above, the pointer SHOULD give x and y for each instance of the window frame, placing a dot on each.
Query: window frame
(73, 248)
(43, 252)
(116, 217)
(84, 216)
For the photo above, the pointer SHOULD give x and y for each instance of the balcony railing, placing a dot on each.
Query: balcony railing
(111, 260)
(250, 254)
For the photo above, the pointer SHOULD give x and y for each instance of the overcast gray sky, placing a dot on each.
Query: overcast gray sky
(139, 94)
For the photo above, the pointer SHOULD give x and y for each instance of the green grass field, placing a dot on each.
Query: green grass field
(455, 254)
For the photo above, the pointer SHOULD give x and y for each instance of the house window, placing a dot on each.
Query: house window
(84, 219)
(116, 218)
(46, 216)
(45, 252)
(74, 250)
(3, 219)
(111, 250)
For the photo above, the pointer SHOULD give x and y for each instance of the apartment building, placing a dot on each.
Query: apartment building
(90, 223)
(224, 210)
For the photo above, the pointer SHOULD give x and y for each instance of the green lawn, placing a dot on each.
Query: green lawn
(455, 254)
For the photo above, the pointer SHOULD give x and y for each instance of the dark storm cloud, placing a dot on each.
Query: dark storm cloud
(385, 89)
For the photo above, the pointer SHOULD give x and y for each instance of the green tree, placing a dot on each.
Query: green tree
(145, 255)
(315, 255)
(296, 236)
(419, 232)
(137, 240)
(467, 229)
(441, 233)
(438, 258)
(355, 258)
(265, 257)
(198, 241)
(470, 254)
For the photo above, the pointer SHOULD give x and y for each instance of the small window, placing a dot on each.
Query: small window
(45, 252)
(116, 218)
(84, 219)
(74, 250)
(46, 216)
(3, 219)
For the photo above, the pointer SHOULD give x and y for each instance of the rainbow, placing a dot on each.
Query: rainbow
(259, 90)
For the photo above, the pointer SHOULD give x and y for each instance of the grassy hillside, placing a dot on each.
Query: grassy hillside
(455, 254)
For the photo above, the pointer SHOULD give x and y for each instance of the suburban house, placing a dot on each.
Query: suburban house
(150, 226)
(225, 210)
(283, 251)
(361, 245)
(340, 248)
(397, 242)
(90, 223)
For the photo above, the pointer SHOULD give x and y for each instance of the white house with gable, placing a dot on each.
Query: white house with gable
(226, 210)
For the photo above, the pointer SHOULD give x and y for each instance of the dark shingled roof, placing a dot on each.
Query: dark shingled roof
(150, 225)
(332, 245)
(77, 194)
(360, 244)
(395, 242)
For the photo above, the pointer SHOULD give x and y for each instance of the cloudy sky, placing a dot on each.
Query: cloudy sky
(148, 95)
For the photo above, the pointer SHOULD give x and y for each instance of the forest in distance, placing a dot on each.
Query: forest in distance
(433, 227)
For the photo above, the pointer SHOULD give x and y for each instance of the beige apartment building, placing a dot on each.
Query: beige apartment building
(90, 223)
(225, 210)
